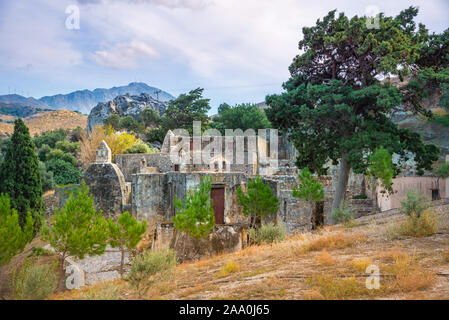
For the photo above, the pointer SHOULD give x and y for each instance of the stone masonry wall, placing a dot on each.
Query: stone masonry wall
(107, 185)
(153, 194)
(131, 164)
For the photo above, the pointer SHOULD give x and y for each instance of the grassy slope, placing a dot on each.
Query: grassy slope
(45, 121)
(327, 264)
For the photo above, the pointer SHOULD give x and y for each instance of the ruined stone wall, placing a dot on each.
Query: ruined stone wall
(293, 212)
(296, 214)
(149, 197)
(108, 187)
(131, 164)
(153, 194)
(163, 235)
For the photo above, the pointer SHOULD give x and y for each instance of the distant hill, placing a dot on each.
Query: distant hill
(18, 100)
(19, 110)
(85, 100)
(45, 121)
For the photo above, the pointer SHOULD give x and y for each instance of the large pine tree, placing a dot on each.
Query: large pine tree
(20, 176)
(336, 108)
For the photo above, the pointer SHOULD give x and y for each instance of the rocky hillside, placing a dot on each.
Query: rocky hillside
(85, 100)
(124, 105)
(45, 121)
(431, 131)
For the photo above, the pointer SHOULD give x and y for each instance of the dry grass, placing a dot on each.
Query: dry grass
(391, 255)
(49, 120)
(407, 269)
(312, 295)
(325, 259)
(440, 112)
(409, 276)
(351, 223)
(425, 225)
(53, 120)
(268, 288)
(360, 265)
(229, 268)
(445, 256)
(333, 287)
(249, 274)
(333, 241)
(110, 290)
(417, 279)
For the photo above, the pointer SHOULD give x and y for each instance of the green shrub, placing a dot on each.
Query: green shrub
(113, 120)
(139, 147)
(63, 172)
(342, 214)
(259, 200)
(268, 233)
(150, 267)
(43, 152)
(444, 120)
(360, 197)
(195, 214)
(47, 178)
(57, 154)
(68, 147)
(50, 138)
(309, 187)
(39, 251)
(34, 282)
(414, 226)
(157, 134)
(415, 204)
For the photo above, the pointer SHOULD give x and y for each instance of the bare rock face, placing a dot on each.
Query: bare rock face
(123, 105)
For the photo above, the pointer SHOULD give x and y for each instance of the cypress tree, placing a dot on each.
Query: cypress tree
(20, 176)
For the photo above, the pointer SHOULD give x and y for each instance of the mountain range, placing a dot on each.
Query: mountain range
(84, 100)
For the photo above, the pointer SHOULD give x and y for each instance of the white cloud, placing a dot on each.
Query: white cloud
(211, 43)
(124, 55)
(30, 40)
(191, 4)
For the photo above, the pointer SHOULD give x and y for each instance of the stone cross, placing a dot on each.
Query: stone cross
(104, 154)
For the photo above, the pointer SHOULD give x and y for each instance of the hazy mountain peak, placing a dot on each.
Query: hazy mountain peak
(85, 100)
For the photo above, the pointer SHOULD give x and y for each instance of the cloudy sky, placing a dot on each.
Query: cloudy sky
(238, 50)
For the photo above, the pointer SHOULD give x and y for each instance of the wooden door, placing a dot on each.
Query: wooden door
(217, 196)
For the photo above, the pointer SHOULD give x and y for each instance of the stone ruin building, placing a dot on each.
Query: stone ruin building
(146, 185)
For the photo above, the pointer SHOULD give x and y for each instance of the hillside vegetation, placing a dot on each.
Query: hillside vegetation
(327, 264)
(46, 121)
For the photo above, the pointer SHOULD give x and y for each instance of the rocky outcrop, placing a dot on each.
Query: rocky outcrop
(123, 105)
(85, 100)
(431, 131)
